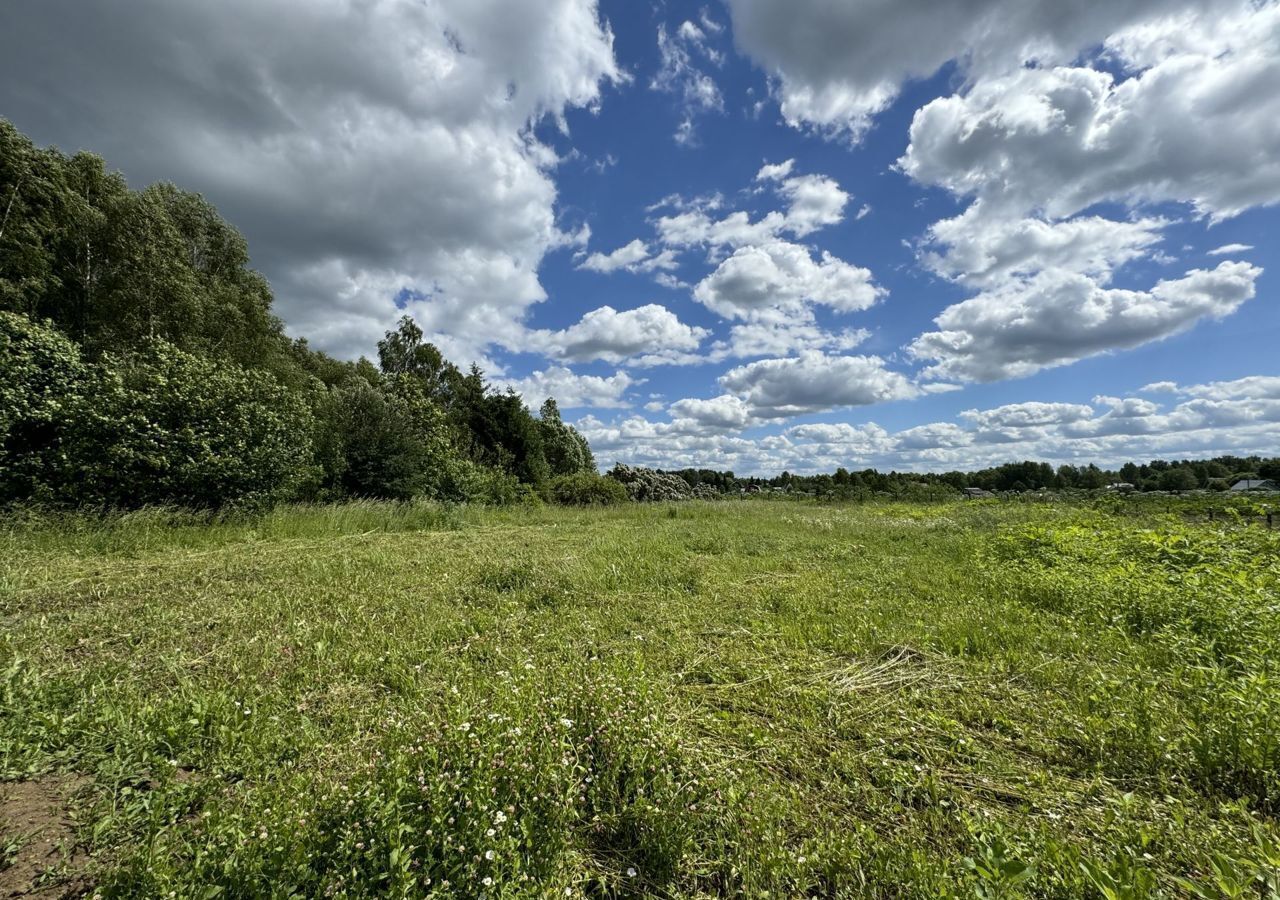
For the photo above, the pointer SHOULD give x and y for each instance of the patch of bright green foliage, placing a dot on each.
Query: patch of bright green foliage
(735, 699)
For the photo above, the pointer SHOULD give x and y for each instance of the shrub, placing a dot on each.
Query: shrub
(587, 489)
(648, 485)
(162, 426)
(42, 388)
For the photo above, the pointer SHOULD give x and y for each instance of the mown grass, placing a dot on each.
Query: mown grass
(736, 699)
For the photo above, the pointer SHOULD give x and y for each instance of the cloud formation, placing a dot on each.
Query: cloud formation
(647, 335)
(837, 65)
(364, 148)
(1230, 417)
(1057, 317)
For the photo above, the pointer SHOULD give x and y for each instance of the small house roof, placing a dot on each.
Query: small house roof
(1254, 484)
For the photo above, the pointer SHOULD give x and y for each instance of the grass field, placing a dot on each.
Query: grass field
(735, 699)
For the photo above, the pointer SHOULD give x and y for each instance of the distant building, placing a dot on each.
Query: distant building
(1122, 487)
(1255, 484)
(975, 493)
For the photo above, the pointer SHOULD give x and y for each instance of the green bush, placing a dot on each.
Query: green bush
(42, 388)
(587, 489)
(162, 426)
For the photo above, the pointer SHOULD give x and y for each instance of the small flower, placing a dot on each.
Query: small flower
(486, 881)
(488, 854)
(631, 872)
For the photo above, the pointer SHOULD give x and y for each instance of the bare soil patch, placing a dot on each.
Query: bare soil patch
(35, 816)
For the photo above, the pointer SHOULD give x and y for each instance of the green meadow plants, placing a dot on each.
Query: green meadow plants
(747, 699)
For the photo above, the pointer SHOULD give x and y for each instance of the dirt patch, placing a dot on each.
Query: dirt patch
(38, 841)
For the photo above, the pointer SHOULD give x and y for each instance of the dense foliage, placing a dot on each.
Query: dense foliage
(142, 365)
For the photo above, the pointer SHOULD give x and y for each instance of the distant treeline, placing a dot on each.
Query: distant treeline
(140, 363)
(1158, 475)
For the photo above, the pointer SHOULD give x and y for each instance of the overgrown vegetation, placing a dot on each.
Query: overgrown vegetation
(142, 365)
(732, 699)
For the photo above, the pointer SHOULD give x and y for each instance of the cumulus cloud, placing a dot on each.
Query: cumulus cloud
(783, 276)
(984, 251)
(1060, 139)
(570, 389)
(1240, 417)
(647, 335)
(1027, 415)
(363, 148)
(1056, 318)
(784, 337)
(1254, 387)
(839, 64)
(814, 381)
(723, 413)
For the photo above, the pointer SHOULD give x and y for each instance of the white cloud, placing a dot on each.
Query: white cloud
(814, 381)
(1027, 415)
(624, 257)
(984, 251)
(1254, 387)
(723, 413)
(361, 147)
(839, 64)
(783, 276)
(1239, 417)
(1229, 249)
(813, 202)
(775, 171)
(570, 389)
(1194, 123)
(650, 334)
(784, 337)
(1056, 318)
(678, 74)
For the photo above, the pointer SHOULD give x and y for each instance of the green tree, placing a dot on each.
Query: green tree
(567, 451)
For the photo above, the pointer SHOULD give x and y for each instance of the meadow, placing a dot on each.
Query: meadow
(741, 698)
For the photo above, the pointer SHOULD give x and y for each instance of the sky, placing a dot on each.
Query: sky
(757, 235)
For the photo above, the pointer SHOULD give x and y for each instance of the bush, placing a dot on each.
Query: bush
(162, 426)
(649, 485)
(42, 388)
(587, 489)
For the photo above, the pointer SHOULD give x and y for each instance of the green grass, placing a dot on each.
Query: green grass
(737, 699)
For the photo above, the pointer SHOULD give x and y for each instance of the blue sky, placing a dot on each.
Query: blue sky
(746, 234)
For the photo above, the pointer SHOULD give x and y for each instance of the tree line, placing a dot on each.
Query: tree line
(1218, 473)
(142, 364)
